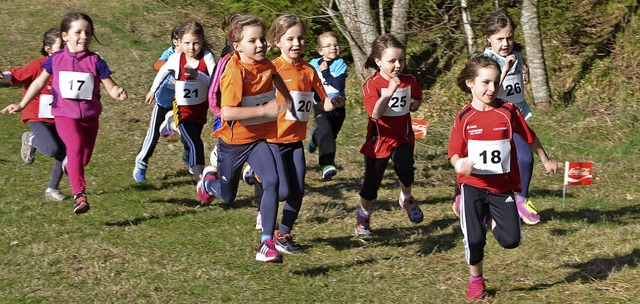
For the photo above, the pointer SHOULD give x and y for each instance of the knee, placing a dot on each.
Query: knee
(509, 242)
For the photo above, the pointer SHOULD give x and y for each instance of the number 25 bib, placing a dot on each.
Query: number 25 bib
(490, 156)
(76, 85)
(303, 102)
(399, 102)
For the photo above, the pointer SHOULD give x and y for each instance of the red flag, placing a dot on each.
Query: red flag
(578, 173)
(419, 127)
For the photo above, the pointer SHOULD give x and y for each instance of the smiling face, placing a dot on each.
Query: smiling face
(484, 87)
(391, 62)
(79, 36)
(291, 44)
(329, 48)
(190, 44)
(502, 41)
(253, 45)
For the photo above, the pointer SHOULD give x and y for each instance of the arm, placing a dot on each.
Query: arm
(116, 92)
(5, 77)
(35, 88)
(550, 165)
(282, 88)
(340, 69)
(461, 164)
(383, 102)
(270, 109)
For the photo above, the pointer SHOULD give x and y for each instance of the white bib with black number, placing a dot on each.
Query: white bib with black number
(76, 85)
(512, 88)
(399, 102)
(490, 156)
(303, 102)
(190, 92)
(258, 100)
(44, 108)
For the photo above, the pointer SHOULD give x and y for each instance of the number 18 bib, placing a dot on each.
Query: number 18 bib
(490, 156)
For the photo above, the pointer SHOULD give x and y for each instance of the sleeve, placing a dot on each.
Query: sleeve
(211, 64)
(456, 142)
(166, 54)
(231, 86)
(318, 88)
(48, 65)
(172, 64)
(103, 69)
(26, 73)
(371, 94)
(339, 77)
(416, 89)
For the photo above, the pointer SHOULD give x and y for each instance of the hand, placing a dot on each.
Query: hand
(550, 166)
(12, 109)
(415, 105)
(525, 74)
(464, 166)
(324, 65)
(509, 61)
(149, 98)
(393, 85)
(191, 72)
(119, 93)
(273, 108)
(338, 101)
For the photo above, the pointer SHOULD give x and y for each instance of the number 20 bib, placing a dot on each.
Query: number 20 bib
(303, 102)
(490, 156)
(399, 102)
(76, 85)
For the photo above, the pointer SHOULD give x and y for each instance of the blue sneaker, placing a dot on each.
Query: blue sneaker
(80, 204)
(311, 147)
(328, 172)
(140, 173)
(412, 209)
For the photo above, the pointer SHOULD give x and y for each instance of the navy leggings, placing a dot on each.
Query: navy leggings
(47, 141)
(525, 163)
(328, 125)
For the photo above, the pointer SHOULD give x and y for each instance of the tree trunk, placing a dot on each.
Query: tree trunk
(535, 54)
(381, 17)
(468, 30)
(399, 20)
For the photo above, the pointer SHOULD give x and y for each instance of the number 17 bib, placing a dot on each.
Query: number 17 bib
(76, 85)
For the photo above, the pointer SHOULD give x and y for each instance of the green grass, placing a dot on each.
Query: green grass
(153, 243)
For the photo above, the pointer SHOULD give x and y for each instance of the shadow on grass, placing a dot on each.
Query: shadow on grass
(593, 270)
(622, 216)
(163, 185)
(325, 269)
(141, 219)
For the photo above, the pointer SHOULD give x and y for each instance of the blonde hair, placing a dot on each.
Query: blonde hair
(283, 23)
(236, 24)
(326, 35)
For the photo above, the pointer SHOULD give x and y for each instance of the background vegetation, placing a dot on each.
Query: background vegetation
(153, 243)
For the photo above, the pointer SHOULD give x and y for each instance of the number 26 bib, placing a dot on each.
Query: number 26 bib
(490, 156)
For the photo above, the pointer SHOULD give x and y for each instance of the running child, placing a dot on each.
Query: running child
(192, 69)
(499, 30)
(389, 97)
(77, 73)
(248, 111)
(288, 34)
(43, 135)
(161, 113)
(482, 150)
(333, 74)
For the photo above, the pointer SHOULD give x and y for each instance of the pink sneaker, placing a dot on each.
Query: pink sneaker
(527, 210)
(268, 253)
(456, 205)
(208, 174)
(475, 290)
(413, 210)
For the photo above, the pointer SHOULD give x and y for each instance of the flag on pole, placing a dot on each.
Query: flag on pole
(419, 127)
(576, 173)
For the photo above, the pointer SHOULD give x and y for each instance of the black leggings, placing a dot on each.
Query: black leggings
(403, 162)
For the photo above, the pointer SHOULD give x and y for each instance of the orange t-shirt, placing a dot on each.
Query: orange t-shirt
(246, 85)
(303, 84)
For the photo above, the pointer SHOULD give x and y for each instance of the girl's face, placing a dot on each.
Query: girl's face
(79, 36)
(502, 41)
(329, 48)
(253, 46)
(391, 62)
(177, 47)
(190, 44)
(484, 87)
(291, 44)
(50, 49)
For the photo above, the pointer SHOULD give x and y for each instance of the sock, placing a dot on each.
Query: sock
(473, 279)
(404, 196)
(362, 212)
(283, 230)
(266, 237)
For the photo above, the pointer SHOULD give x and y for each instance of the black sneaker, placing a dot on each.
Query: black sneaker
(286, 244)
(80, 204)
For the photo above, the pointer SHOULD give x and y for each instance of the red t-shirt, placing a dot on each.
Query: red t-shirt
(394, 127)
(25, 76)
(486, 137)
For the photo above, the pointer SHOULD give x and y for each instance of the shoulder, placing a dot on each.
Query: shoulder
(464, 113)
(315, 62)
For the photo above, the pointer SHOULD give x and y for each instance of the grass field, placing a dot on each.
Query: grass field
(154, 243)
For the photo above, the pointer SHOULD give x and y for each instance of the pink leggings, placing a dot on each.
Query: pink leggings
(79, 136)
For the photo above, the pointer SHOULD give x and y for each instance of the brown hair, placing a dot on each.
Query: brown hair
(282, 24)
(237, 22)
(497, 21)
(378, 46)
(194, 28)
(470, 70)
(49, 38)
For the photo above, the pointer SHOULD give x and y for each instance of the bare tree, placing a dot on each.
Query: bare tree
(468, 30)
(535, 54)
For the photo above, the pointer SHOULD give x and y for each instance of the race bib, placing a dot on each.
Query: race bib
(258, 100)
(44, 109)
(76, 85)
(490, 156)
(512, 88)
(399, 102)
(303, 102)
(190, 92)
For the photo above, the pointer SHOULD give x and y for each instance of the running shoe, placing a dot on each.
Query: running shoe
(363, 230)
(268, 253)
(475, 290)
(213, 158)
(527, 210)
(53, 195)
(168, 126)
(311, 146)
(328, 172)
(208, 174)
(27, 151)
(80, 204)
(413, 210)
(259, 221)
(456, 205)
(247, 175)
(139, 172)
(286, 244)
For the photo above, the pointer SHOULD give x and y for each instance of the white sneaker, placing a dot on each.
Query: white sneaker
(213, 158)
(167, 127)
(53, 195)
(259, 221)
(247, 175)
